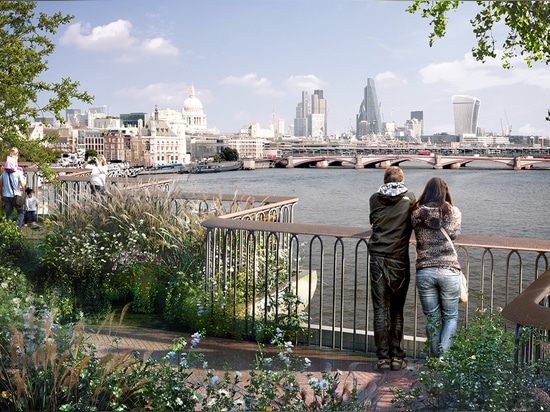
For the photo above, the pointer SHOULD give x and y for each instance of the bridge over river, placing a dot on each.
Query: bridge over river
(437, 161)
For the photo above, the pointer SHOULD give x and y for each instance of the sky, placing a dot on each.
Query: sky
(250, 60)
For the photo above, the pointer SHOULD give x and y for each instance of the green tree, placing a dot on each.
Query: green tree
(24, 47)
(527, 22)
(229, 155)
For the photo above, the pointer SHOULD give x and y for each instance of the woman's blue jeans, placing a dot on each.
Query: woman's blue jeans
(439, 290)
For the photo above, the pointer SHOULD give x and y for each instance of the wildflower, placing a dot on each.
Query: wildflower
(5, 394)
(307, 362)
(238, 402)
(223, 393)
(323, 384)
(238, 375)
(4, 285)
(172, 355)
(313, 382)
(179, 402)
(279, 333)
(196, 340)
(288, 347)
(214, 380)
(211, 402)
(16, 301)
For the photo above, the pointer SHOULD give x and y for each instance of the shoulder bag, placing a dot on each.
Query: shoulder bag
(18, 199)
(463, 281)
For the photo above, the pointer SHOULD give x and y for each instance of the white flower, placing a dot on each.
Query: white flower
(313, 382)
(223, 393)
(179, 402)
(288, 347)
(211, 402)
(215, 380)
(4, 285)
(238, 402)
(307, 362)
(323, 384)
(16, 301)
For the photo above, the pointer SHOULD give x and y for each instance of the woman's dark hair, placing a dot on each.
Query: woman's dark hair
(436, 194)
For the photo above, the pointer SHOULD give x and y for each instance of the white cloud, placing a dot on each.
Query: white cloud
(165, 95)
(297, 84)
(468, 75)
(113, 36)
(388, 78)
(116, 36)
(260, 85)
(160, 46)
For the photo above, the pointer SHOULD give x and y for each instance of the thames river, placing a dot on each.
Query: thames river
(493, 202)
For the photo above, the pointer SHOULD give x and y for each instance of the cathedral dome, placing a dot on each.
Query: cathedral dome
(192, 104)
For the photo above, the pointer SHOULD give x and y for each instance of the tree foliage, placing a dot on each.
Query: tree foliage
(528, 24)
(25, 44)
(228, 154)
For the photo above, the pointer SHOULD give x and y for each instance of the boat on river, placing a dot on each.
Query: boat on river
(211, 167)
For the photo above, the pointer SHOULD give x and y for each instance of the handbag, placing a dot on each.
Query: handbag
(463, 281)
(18, 200)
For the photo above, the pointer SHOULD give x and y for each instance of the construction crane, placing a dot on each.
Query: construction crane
(509, 131)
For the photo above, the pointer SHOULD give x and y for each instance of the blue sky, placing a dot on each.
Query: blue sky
(249, 61)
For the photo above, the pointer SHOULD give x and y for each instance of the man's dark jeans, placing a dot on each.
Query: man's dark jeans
(389, 285)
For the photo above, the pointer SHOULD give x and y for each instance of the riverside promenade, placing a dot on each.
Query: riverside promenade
(233, 355)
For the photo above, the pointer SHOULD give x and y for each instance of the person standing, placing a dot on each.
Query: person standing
(13, 183)
(436, 221)
(31, 207)
(98, 174)
(390, 270)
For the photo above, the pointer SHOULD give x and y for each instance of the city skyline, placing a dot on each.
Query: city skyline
(247, 67)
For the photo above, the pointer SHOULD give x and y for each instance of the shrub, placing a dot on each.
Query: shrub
(127, 249)
(477, 373)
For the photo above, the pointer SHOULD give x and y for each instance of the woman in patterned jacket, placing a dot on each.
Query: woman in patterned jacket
(437, 266)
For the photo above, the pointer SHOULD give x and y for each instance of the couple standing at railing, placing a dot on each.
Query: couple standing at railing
(394, 214)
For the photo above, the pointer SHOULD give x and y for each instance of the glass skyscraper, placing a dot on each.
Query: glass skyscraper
(368, 119)
(466, 111)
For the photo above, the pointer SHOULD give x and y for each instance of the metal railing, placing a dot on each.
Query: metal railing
(256, 256)
(530, 311)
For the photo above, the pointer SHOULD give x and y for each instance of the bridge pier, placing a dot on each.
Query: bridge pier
(437, 162)
(385, 164)
(290, 162)
(359, 162)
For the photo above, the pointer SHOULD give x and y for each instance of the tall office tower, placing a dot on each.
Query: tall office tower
(368, 119)
(466, 110)
(317, 121)
(419, 115)
(303, 109)
(71, 116)
(311, 115)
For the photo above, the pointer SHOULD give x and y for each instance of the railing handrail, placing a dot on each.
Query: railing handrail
(489, 242)
(525, 309)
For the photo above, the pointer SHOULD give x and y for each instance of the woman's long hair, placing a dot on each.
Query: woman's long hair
(436, 194)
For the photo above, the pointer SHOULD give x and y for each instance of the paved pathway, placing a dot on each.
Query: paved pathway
(233, 355)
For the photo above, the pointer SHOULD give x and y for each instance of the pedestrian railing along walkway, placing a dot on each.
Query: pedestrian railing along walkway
(531, 308)
(257, 259)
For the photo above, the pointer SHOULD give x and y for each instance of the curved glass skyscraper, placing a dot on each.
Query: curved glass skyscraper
(368, 119)
(466, 111)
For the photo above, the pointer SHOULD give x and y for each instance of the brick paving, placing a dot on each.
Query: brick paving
(233, 355)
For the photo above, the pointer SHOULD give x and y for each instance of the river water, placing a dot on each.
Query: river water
(493, 202)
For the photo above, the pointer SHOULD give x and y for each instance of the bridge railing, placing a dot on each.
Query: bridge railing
(269, 269)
